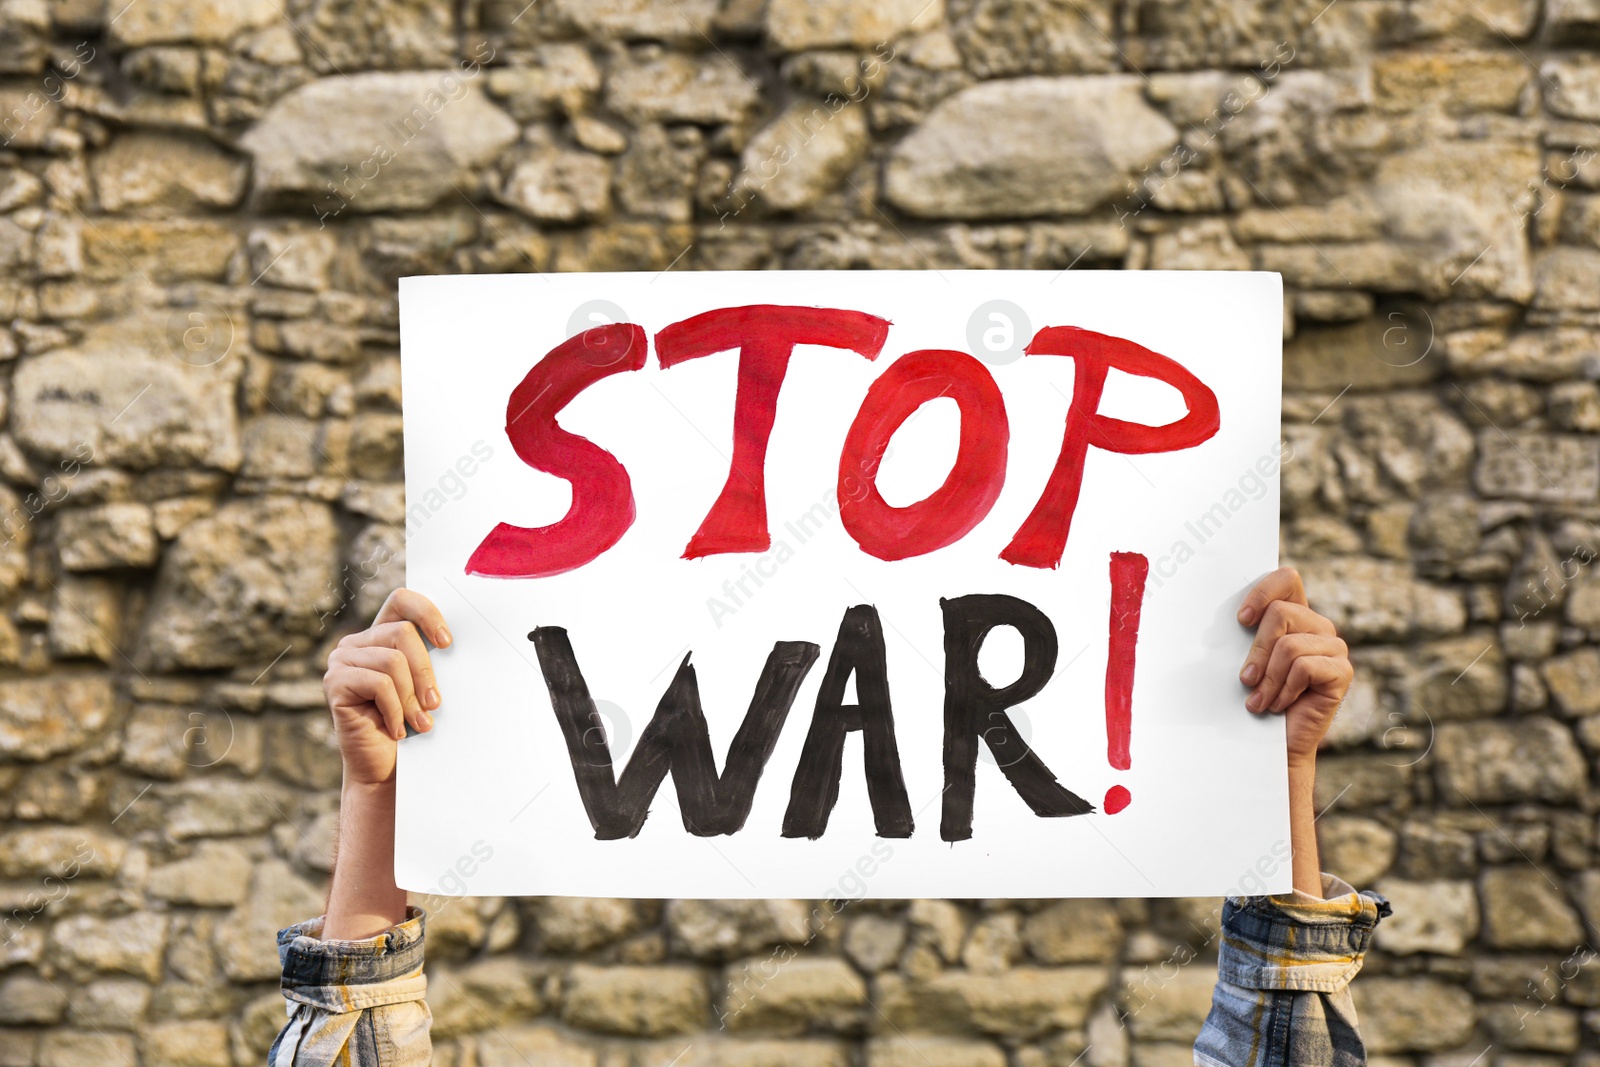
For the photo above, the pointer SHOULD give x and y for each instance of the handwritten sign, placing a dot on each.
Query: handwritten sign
(841, 584)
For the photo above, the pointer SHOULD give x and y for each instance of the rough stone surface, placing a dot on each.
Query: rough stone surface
(799, 994)
(42, 717)
(1438, 917)
(721, 929)
(205, 204)
(1072, 931)
(804, 154)
(1355, 848)
(1413, 1014)
(645, 1001)
(108, 537)
(1029, 146)
(126, 396)
(796, 25)
(242, 579)
(246, 945)
(382, 140)
(1025, 1001)
(1525, 908)
(1163, 1008)
(1493, 762)
(581, 924)
(130, 944)
(161, 172)
(200, 22)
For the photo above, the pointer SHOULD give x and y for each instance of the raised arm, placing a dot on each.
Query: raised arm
(1299, 668)
(1285, 963)
(353, 978)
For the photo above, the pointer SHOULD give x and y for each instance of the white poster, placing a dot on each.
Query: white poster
(843, 584)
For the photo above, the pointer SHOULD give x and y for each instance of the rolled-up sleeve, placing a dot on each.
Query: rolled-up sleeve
(354, 1002)
(1283, 980)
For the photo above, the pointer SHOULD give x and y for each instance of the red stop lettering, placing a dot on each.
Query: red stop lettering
(974, 481)
(602, 496)
(1042, 537)
(765, 336)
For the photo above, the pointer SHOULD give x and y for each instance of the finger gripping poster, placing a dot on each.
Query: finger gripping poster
(842, 584)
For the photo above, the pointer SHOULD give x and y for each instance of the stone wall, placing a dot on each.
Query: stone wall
(204, 205)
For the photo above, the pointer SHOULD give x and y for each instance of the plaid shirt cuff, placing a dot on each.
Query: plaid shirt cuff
(346, 976)
(1298, 942)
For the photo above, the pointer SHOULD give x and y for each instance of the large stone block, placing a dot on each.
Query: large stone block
(62, 852)
(999, 38)
(1439, 917)
(1528, 759)
(29, 1001)
(1166, 1007)
(1376, 600)
(874, 942)
(108, 537)
(483, 995)
(1355, 848)
(384, 140)
(84, 1048)
(678, 88)
(160, 250)
(189, 21)
(921, 1050)
(582, 924)
(1073, 931)
(1412, 442)
(660, 20)
(721, 929)
(217, 874)
(1572, 86)
(1026, 147)
(340, 38)
(803, 154)
(28, 116)
(791, 995)
(1533, 1025)
(797, 25)
(43, 717)
(242, 583)
(126, 396)
(1460, 81)
(1574, 682)
(1375, 353)
(156, 171)
(555, 184)
(1412, 1014)
(1525, 908)
(186, 1043)
(1022, 1002)
(695, 1050)
(1452, 208)
(1364, 780)
(1460, 678)
(246, 944)
(129, 944)
(219, 807)
(519, 1046)
(643, 1001)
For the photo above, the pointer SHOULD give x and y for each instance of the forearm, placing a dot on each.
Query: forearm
(364, 900)
(1303, 828)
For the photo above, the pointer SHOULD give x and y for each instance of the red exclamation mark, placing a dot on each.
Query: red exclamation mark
(1128, 573)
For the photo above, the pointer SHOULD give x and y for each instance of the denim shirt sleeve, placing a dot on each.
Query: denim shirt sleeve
(354, 1002)
(1283, 980)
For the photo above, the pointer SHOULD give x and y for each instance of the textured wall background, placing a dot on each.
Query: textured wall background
(204, 205)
